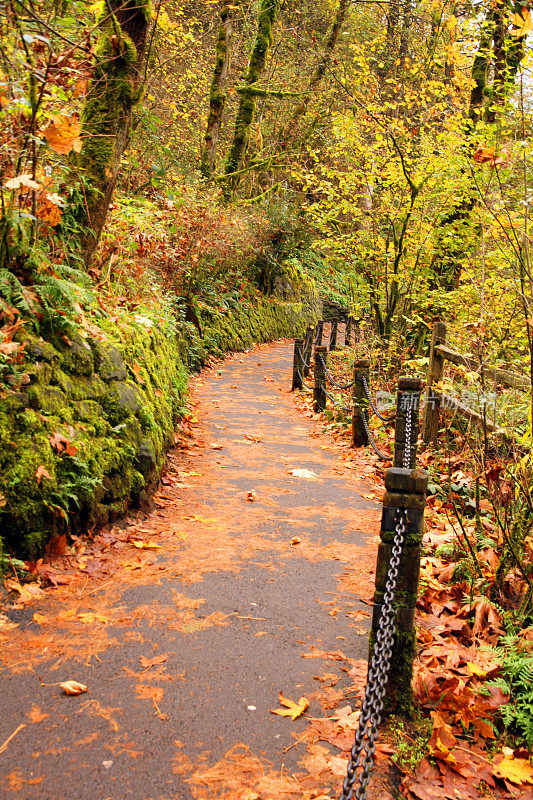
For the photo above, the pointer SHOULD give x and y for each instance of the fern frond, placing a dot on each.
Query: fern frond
(12, 292)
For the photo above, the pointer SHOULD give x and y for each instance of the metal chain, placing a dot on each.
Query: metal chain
(362, 754)
(307, 385)
(408, 430)
(373, 445)
(369, 398)
(307, 364)
(335, 402)
(332, 379)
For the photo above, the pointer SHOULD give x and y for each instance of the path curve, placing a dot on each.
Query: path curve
(186, 624)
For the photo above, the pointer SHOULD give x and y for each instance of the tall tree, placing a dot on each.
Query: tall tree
(115, 90)
(290, 132)
(499, 54)
(247, 104)
(217, 92)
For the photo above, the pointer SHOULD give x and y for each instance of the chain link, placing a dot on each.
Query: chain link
(346, 409)
(307, 364)
(362, 753)
(307, 385)
(373, 445)
(370, 400)
(408, 433)
(332, 378)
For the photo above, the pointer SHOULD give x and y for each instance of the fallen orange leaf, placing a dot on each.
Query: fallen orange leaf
(140, 545)
(146, 663)
(516, 770)
(292, 709)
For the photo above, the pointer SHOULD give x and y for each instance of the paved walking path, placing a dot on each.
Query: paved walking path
(186, 624)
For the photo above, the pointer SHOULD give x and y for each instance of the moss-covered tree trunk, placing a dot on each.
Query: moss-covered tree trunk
(501, 56)
(217, 92)
(290, 132)
(115, 90)
(246, 110)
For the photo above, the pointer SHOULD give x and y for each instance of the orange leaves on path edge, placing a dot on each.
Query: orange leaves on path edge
(291, 709)
(516, 770)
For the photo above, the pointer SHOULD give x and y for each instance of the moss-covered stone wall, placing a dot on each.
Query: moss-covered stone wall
(84, 433)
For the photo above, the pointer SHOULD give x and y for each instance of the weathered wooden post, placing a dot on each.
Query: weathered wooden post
(348, 331)
(405, 497)
(407, 399)
(319, 332)
(361, 371)
(319, 393)
(307, 350)
(297, 365)
(432, 401)
(333, 335)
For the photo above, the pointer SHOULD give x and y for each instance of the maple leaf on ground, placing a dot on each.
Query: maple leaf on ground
(146, 662)
(145, 692)
(303, 473)
(140, 545)
(88, 617)
(292, 709)
(332, 655)
(516, 770)
(28, 592)
(442, 739)
(61, 444)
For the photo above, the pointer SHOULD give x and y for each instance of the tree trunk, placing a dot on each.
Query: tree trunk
(217, 92)
(115, 90)
(246, 111)
(290, 132)
(456, 225)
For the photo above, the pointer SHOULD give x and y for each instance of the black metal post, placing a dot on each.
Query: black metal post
(319, 394)
(297, 365)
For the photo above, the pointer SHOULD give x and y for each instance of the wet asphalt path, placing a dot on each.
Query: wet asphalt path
(231, 600)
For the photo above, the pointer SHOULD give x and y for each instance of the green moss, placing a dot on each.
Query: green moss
(246, 111)
(399, 691)
(119, 419)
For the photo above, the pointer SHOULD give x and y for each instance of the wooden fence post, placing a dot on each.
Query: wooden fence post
(348, 331)
(432, 401)
(308, 348)
(319, 394)
(319, 332)
(297, 365)
(408, 397)
(361, 369)
(333, 335)
(405, 491)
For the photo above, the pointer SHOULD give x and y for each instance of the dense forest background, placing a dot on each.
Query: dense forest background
(178, 180)
(173, 166)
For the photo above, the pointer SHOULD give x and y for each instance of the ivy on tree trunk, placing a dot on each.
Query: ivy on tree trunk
(217, 92)
(502, 56)
(247, 104)
(115, 90)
